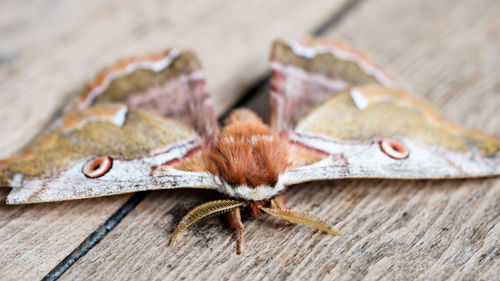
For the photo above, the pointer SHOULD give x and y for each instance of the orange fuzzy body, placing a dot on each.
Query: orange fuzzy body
(247, 152)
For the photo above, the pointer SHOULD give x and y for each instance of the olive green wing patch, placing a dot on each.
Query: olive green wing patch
(374, 112)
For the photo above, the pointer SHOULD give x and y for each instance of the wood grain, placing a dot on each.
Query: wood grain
(49, 51)
(448, 53)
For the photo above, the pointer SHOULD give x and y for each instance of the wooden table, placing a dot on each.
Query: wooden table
(447, 52)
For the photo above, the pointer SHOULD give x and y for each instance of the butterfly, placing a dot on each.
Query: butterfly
(147, 123)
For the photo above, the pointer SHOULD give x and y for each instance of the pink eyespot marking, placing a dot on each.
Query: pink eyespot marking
(97, 167)
(394, 148)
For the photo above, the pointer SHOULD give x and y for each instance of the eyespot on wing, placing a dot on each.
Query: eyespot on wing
(394, 148)
(97, 167)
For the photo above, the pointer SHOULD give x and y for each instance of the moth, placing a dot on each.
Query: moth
(147, 123)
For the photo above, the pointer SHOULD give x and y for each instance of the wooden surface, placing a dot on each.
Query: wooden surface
(447, 52)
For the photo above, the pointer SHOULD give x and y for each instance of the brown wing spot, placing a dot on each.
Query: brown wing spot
(97, 167)
(394, 148)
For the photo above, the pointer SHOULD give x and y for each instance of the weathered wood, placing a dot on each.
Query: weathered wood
(49, 51)
(35, 238)
(393, 230)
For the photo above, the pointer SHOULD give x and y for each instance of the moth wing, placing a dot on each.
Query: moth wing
(142, 123)
(307, 74)
(171, 84)
(103, 150)
(365, 127)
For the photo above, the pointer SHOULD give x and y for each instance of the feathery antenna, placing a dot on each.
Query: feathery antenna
(203, 211)
(300, 217)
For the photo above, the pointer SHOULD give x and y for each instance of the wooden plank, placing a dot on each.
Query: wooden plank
(49, 51)
(392, 230)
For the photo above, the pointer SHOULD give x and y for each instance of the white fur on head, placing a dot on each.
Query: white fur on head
(258, 193)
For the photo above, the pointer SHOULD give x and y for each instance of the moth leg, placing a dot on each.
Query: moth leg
(234, 217)
(279, 202)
